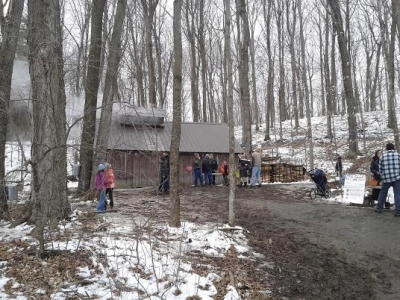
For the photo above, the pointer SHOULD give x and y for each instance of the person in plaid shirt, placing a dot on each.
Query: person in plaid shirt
(389, 166)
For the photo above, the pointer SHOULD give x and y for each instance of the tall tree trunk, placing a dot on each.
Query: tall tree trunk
(80, 65)
(175, 210)
(368, 57)
(224, 81)
(329, 102)
(270, 89)
(110, 85)
(372, 100)
(160, 71)
(321, 68)
(254, 80)
(10, 26)
(49, 151)
(384, 35)
(335, 104)
(396, 16)
(211, 101)
(193, 64)
(229, 76)
(244, 84)
(149, 8)
(291, 32)
(281, 92)
(310, 80)
(305, 83)
(347, 78)
(391, 74)
(91, 90)
(355, 83)
(202, 54)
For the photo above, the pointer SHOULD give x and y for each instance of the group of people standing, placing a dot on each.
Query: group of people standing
(204, 171)
(386, 171)
(251, 170)
(207, 167)
(105, 184)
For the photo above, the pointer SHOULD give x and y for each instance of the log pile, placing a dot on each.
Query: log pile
(282, 172)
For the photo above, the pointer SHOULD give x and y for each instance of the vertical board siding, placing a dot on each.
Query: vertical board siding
(141, 169)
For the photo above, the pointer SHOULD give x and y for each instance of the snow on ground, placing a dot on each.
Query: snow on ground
(292, 147)
(135, 265)
(152, 266)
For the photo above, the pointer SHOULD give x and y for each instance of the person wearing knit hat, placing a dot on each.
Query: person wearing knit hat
(101, 185)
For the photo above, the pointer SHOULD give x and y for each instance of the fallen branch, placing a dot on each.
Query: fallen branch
(232, 229)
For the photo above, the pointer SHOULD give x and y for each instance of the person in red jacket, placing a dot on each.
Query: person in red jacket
(224, 170)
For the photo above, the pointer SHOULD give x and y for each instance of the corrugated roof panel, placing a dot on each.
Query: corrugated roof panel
(195, 137)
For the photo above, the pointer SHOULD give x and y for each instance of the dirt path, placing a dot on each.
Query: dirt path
(312, 249)
(331, 250)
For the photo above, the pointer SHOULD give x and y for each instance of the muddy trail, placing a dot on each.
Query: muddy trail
(311, 249)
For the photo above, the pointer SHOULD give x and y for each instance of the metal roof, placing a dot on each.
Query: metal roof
(195, 137)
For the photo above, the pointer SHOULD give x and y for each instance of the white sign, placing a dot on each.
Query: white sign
(354, 188)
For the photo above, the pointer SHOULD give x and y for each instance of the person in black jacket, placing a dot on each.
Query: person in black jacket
(164, 173)
(244, 173)
(206, 168)
(339, 166)
(374, 168)
(214, 167)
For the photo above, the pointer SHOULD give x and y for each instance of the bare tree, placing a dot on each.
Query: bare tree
(149, 9)
(49, 119)
(291, 29)
(305, 84)
(175, 211)
(328, 85)
(10, 26)
(374, 84)
(164, 61)
(82, 18)
(319, 23)
(281, 92)
(388, 48)
(91, 90)
(254, 14)
(110, 87)
(229, 76)
(269, 107)
(243, 66)
(202, 54)
(191, 11)
(396, 15)
(136, 57)
(391, 74)
(347, 78)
